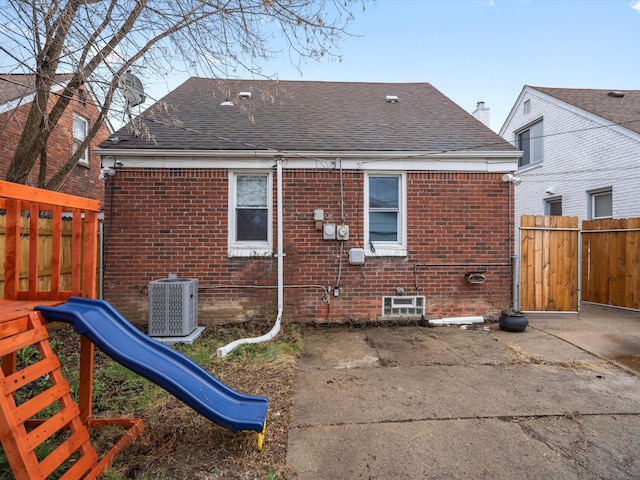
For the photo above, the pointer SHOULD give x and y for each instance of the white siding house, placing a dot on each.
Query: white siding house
(581, 152)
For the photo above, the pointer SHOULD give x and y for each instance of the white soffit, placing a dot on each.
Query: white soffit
(460, 162)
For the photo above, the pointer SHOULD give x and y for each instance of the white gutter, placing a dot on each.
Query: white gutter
(224, 351)
(314, 155)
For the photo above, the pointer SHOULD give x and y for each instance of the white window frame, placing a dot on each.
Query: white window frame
(593, 196)
(387, 249)
(552, 201)
(536, 142)
(77, 141)
(249, 248)
(526, 107)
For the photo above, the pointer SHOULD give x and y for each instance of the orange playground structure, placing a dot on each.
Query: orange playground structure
(36, 226)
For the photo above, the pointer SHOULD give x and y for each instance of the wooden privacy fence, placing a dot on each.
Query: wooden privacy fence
(611, 262)
(45, 252)
(562, 264)
(549, 263)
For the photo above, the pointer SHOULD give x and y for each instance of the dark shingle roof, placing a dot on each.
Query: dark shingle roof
(14, 86)
(310, 116)
(623, 110)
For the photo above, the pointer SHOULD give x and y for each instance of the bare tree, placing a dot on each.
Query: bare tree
(98, 41)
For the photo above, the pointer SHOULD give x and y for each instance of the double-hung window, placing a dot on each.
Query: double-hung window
(80, 131)
(250, 214)
(530, 141)
(385, 214)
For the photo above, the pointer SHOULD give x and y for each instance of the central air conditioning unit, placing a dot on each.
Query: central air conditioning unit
(173, 307)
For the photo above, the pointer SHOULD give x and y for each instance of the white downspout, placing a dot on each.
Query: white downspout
(224, 351)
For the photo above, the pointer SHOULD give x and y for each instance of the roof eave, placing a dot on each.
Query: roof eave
(476, 161)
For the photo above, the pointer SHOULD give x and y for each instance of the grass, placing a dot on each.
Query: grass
(118, 389)
(177, 442)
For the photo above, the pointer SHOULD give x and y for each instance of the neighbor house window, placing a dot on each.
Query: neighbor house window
(526, 107)
(250, 214)
(530, 142)
(385, 218)
(553, 207)
(80, 130)
(600, 204)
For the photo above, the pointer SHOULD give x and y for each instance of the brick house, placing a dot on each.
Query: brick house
(581, 152)
(391, 198)
(16, 96)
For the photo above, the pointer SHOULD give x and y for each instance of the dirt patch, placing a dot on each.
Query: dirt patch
(522, 357)
(177, 442)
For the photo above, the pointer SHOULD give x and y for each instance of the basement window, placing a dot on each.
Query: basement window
(403, 306)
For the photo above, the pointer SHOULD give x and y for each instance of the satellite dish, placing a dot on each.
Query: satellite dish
(132, 89)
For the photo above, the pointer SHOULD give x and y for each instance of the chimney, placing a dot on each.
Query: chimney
(482, 113)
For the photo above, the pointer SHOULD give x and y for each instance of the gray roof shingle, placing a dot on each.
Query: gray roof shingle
(309, 116)
(622, 110)
(14, 86)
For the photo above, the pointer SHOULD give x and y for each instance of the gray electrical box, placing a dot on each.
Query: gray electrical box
(173, 307)
(356, 256)
(329, 231)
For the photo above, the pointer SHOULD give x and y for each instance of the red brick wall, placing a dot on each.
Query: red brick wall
(83, 179)
(164, 221)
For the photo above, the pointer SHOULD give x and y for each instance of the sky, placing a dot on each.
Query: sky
(481, 50)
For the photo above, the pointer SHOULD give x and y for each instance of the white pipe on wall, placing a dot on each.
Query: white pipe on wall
(228, 348)
(457, 321)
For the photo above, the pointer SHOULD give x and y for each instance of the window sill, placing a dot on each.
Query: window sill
(386, 252)
(250, 252)
(530, 166)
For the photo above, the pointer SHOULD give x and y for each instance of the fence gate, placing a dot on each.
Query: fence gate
(611, 262)
(549, 256)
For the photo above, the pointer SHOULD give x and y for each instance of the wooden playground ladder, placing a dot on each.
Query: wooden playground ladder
(22, 434)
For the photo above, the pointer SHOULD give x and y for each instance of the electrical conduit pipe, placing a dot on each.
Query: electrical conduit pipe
(228, 348)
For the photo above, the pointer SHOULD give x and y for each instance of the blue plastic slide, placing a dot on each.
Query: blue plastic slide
(164, 366)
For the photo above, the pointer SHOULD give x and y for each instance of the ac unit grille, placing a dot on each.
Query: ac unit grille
(403, 306)
(173, 307)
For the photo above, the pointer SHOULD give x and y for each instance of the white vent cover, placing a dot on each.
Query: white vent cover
(173, 307)
(392, 98)
(402, 306)
(244, 94)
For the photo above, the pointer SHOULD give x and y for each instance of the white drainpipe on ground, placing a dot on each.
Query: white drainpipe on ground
(224, 351)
